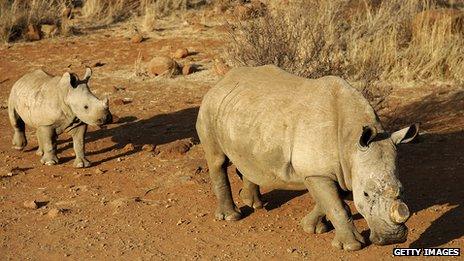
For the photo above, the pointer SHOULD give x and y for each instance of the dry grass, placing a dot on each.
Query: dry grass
(16, 15)
(156, 9)
(363, 42)
(109, 11)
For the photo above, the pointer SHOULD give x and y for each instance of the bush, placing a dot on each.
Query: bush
(367, 41)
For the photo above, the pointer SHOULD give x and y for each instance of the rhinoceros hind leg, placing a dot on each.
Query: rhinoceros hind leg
(315, 222)
(250, 194)
(326, 195)
(47, 137)
(39, 151)
(19, 137)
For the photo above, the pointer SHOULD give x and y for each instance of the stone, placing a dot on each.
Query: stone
(162, 65)
(181, 53)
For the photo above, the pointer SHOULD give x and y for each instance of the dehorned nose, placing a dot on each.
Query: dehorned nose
(392, 191)
(399, 212)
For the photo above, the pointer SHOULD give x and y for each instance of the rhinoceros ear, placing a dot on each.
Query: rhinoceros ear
(88, 73)
(405, 135)
(71, 79)
(368, 135)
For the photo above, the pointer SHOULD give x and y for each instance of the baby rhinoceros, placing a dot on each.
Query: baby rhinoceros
(52, 105)
(287, 132)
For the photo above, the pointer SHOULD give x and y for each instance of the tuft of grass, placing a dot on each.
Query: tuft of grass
(17, 15)
(369, 42)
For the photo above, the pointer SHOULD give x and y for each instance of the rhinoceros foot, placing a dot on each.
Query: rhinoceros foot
(228, 214)
(315, 225)
(49, 160)
(81, 163)
(348, 240)
(251, 198)
(19, 140)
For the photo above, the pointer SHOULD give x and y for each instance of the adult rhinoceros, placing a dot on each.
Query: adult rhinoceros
(288, 132)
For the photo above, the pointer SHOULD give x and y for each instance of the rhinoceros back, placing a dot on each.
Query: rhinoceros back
(36, 98)
(272, 124)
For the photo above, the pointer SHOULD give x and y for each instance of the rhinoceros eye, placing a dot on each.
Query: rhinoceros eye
(86, 107)
(366, 195)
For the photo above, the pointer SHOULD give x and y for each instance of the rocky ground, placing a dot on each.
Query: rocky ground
(147, 194)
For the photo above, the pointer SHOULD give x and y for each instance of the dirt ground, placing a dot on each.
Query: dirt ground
(136, 204)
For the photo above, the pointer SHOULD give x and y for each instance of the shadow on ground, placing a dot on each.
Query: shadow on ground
(157, 130)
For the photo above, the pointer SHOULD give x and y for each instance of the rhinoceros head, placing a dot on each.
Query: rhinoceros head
(377, 192)
(83, 103)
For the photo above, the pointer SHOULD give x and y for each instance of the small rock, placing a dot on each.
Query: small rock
(99, 171)
(118, 102)
(32, 34)
(123, 101)
(291, 250)
(177, 147)
(30, 204)
(49, 30)
(54, 212)
(180, 53)
(137, 38)
(188, 69)
(148, 147)
(162, 65)
(98, 64)
(121, 202)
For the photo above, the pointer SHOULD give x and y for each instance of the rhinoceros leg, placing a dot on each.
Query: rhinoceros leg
(19, 136)
(217, 163)
(325, 193)
(78, 135)
(47, 136)
(315, 222)
(250, 194)
(39, 151)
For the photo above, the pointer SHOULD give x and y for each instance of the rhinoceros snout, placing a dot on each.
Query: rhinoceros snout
(400, 236)
(107, 119)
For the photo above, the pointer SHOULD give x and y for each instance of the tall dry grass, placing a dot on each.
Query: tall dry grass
(362, 41)
(109, 11)
(16, 15)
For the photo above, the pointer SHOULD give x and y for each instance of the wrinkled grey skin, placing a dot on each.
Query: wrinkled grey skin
(52, 105)
(287, 132)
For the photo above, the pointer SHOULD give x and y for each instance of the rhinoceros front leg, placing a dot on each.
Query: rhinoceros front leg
(250, 194)
(78, 135)
(47, 140)
(217, 163)
(315, 222)
(325, 193)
